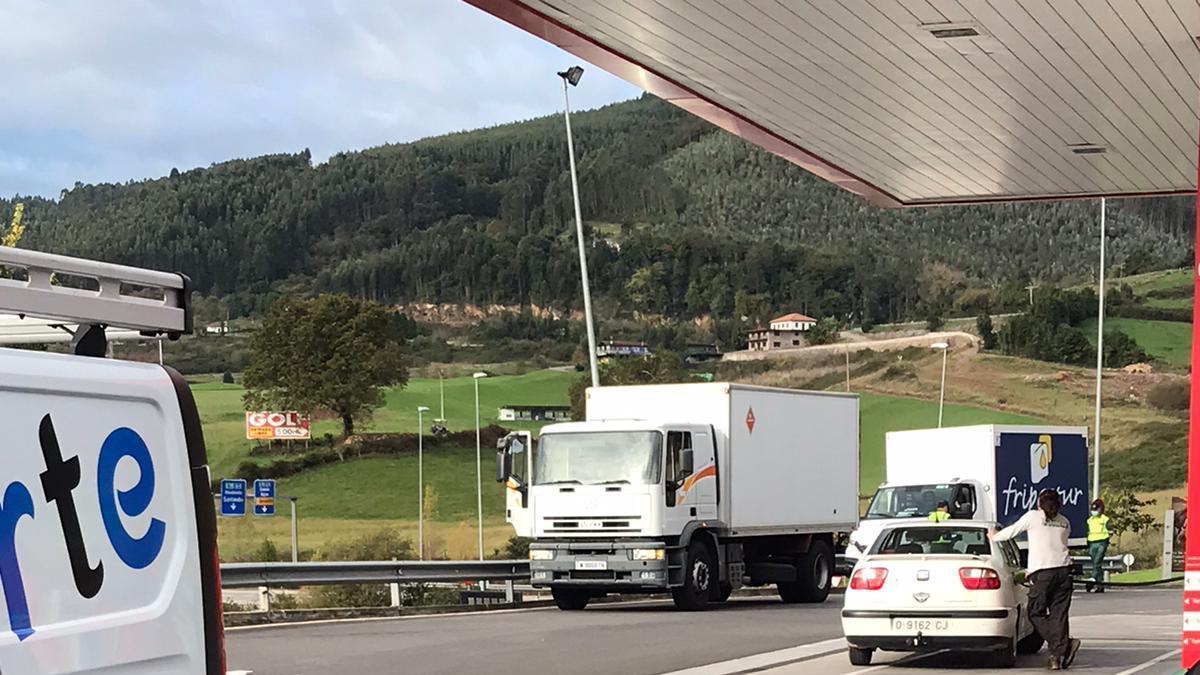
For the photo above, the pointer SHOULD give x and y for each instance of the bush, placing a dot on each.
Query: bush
(900, 371)
(986, 333)
(1173, 394)
(934, 321)
(517, 548)
(227, 377)
(1159, 462)
(1121, 350)
(824, 333)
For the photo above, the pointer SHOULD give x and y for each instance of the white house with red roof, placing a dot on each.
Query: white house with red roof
(784, 332)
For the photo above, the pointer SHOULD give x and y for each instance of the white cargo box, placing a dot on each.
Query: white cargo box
(787, 460)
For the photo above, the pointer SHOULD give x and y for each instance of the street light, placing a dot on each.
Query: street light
(945, 348)
(571, 76)
(478, 464)
(1099, 359)
(421, 483)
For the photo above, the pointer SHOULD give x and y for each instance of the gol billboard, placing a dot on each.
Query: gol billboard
(271, 426)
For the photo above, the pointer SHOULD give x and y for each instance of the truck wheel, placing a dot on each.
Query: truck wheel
(722, 591)
(814, 574)
(699, 576)
(861, 657)
(570, 599)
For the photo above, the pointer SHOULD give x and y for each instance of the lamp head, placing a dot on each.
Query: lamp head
(572, 75)
(422, 409)
(479, 376)
(939, 345)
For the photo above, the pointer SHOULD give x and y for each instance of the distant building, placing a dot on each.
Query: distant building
(785, 332)
(696, 353)
(616, 348)
(535, 413)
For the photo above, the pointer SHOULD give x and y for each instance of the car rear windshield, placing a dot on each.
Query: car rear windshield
(933, 540)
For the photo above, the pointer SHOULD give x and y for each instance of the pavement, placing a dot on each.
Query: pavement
(1123, 631)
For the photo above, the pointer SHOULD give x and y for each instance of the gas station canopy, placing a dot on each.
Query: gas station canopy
(918, 102)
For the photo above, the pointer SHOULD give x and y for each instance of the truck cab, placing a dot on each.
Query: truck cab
(641, 482)
(896, 503)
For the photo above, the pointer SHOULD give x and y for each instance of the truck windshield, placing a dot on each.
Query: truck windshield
(910, 501)
(592, 458)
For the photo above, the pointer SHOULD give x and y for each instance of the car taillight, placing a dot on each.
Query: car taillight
(979, 579)
(868, 578)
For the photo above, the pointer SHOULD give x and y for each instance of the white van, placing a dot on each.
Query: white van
(108, 559)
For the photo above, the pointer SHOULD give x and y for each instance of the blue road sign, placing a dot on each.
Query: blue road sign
(233, 497)
(264, 497)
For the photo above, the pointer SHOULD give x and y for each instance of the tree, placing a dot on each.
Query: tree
(1124, 511)
(983, 323)
(329, 352)
(1121, 350)
(16, 229)
(823, 333)
(659, 368)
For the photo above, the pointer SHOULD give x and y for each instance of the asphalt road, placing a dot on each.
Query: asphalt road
(1121, 630)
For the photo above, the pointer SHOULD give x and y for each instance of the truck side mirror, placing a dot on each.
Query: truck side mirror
(503, 465)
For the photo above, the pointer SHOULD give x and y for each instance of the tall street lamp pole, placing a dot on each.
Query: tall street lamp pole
(571, 76)
(478, 465)
(1099, 359)
(945, 348)
(421, 483)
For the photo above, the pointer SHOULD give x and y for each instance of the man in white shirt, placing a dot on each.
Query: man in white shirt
(1049, 570)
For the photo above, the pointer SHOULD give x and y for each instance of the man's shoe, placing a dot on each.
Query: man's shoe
(1099, 589)
(1072, 650)
(1054, 664)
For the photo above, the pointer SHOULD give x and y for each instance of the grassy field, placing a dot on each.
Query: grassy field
(1162, 280)
(1170, 341)
(222, 412)
(881, 414)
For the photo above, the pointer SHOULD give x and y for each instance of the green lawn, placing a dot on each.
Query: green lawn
(881, 414)
(1156, 281)
(223, 414)
(1141, 576)
(1170, 341)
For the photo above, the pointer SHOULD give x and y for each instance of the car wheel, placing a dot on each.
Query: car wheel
(1007, 657)
(699, 577)
(570, 599)
(861, 657)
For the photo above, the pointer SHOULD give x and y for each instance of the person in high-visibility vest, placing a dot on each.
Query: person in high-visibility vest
(1097, 539)
(941, 514)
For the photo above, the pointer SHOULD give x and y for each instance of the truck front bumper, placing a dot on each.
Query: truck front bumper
(599, 565)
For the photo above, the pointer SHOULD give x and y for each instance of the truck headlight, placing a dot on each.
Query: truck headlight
(541, 554)
(649, 554)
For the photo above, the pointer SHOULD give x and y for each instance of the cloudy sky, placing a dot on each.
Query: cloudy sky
(128, 89)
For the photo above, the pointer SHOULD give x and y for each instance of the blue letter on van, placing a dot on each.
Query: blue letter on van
(17, 503)
(137, 552)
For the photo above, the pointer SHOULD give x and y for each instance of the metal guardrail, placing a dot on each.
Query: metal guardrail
(251, 575)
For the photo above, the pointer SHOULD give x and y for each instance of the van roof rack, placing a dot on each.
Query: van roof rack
(147, 301)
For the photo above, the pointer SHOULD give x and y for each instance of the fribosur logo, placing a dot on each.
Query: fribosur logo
(750, 420)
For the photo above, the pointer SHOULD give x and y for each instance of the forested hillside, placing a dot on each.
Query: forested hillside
(685, 220)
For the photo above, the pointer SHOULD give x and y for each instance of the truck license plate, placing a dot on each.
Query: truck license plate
(591, 564)
(921, 625)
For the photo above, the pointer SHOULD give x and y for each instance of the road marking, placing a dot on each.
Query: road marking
(764, 660)
(1142, 666)
(446, 615)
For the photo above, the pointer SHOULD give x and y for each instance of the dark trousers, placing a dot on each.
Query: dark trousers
(1096, 551)
(1050, 607)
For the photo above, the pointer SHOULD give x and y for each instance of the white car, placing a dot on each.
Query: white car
(936, 586)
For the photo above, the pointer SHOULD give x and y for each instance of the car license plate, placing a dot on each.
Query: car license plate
(920, 625)
(591, 564)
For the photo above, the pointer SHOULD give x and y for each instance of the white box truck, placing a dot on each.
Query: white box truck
(987, 472)
(696, 489)
(108, 560)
